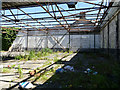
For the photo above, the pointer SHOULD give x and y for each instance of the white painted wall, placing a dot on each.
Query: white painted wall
(44, 41)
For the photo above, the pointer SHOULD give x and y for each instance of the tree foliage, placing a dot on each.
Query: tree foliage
(8, 37)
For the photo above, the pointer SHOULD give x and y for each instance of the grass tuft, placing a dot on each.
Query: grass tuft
(6, 70)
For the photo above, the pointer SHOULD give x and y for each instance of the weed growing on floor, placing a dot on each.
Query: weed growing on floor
(35, 55)
(45, 75)
(18, 57)
(12, 66)
(26, 57)
(65, 52)
(55, 59)
(40, 55)
(20, 72)
(31, 55)
(48, 50)
(6, 70)
(70, 52)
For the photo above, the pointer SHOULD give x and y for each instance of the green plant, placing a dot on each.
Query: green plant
(12, 66)
(26, 57)
(41, 58)
(39, 54)
(44, 77)
(55, 59)
(52, 70)
(61, 51)
(57, 55)
(65, 52)
(6, 70)
(47, 50)
(35, 55)
(44, 54)
(31, 55)
(20, 72)
(35, 58)
(38, 68)
(8, 37)
(58, 52)
(70, 52)
(18, 57)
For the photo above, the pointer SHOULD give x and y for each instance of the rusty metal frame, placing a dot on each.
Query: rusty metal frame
(56, 20)
(64, 18)
(64, 24)
(105, 13)
(44, 30)
(68, 31)
(58, 11)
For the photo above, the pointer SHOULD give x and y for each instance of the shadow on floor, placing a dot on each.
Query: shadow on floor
(81, 61)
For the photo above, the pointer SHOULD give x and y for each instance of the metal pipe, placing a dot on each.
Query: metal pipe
(58, 11)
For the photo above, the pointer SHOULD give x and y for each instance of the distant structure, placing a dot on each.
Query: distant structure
(73, 40)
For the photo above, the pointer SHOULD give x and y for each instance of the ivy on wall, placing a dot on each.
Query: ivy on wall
(8, 36)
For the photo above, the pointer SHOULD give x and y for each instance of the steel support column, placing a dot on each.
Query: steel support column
(27, 40)
(103, 40)
(69, 40)
(108, 37)
(94, 41)
(66, 23)
(117, 37)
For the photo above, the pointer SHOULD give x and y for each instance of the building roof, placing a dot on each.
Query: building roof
(32, 3)
(50, 18)
(12, 5)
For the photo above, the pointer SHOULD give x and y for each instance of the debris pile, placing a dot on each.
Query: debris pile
(32, 73)
(69, 68)
(89, 71)
(26, 85)
(65, 69)
(60, 70)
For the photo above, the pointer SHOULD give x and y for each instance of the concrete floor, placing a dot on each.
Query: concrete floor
(73, 59)
(6, 78)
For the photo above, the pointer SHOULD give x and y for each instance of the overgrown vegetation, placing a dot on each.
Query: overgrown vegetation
(41, 55)
(8, 36)
(35, 55)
